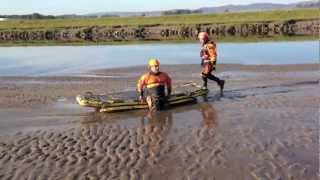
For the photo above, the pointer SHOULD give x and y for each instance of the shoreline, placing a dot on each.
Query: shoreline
(250, 39)
(112, 72)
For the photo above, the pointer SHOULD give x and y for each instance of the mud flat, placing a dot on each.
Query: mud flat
(264, 127)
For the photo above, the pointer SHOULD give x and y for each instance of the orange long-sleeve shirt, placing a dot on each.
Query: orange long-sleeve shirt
(149, 80)
(209, 51)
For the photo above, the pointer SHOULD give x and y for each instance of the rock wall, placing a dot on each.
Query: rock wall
(161, 32)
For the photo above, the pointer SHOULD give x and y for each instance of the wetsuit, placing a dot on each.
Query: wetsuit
(155, 84)
(208, 56)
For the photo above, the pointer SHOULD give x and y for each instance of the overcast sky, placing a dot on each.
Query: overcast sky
(58, 7)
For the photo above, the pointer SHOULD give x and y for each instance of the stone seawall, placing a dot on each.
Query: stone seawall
(162, 32)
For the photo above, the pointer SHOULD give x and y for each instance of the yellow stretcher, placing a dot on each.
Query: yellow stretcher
(103, 103)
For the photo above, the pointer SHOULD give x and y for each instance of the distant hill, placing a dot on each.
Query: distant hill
(125, 14)
(219, 9)
(260, 7)
(249, 7)
(309, 4)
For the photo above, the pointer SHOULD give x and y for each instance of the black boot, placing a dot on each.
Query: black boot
(221, 84)
(205, 82)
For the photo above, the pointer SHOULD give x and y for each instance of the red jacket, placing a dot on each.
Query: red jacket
(149, 80)
(209, 51)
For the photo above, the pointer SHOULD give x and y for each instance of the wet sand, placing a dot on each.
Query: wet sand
(266, 126)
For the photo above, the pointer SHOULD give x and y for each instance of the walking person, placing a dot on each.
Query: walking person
(208, 56)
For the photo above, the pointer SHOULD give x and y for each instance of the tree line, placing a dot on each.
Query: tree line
(34, 16)
(180, 11)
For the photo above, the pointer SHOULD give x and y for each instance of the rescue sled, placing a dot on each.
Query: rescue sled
(109, 103)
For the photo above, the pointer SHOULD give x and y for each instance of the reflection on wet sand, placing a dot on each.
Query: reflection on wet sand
(208, 115)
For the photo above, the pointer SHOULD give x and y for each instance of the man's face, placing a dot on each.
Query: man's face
(154, 69)
(201, 39)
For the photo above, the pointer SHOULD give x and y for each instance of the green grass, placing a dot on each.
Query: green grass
(225, 18)
(219, 40)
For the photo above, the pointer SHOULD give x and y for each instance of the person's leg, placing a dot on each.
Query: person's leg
(220, 82)
(150, 103)
(159, 104)
(207, 74)
(205, 81)
(156, 99)
(214, 78)
(155, 104)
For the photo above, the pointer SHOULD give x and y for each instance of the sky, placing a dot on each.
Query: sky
(59, 7)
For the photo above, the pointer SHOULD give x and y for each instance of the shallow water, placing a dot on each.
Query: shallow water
(60, 60)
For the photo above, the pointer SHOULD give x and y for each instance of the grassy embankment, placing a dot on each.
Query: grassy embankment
(88, 43)
(224, 18)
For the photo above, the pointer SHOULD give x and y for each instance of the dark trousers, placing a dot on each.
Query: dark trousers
(210, 76)
(158, 99)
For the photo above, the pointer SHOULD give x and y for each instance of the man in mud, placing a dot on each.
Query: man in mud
(154, 83)
(208, 56)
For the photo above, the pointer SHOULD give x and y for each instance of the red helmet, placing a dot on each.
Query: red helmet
(203, 35)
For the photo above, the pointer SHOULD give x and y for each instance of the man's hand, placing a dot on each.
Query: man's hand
(204, 57)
